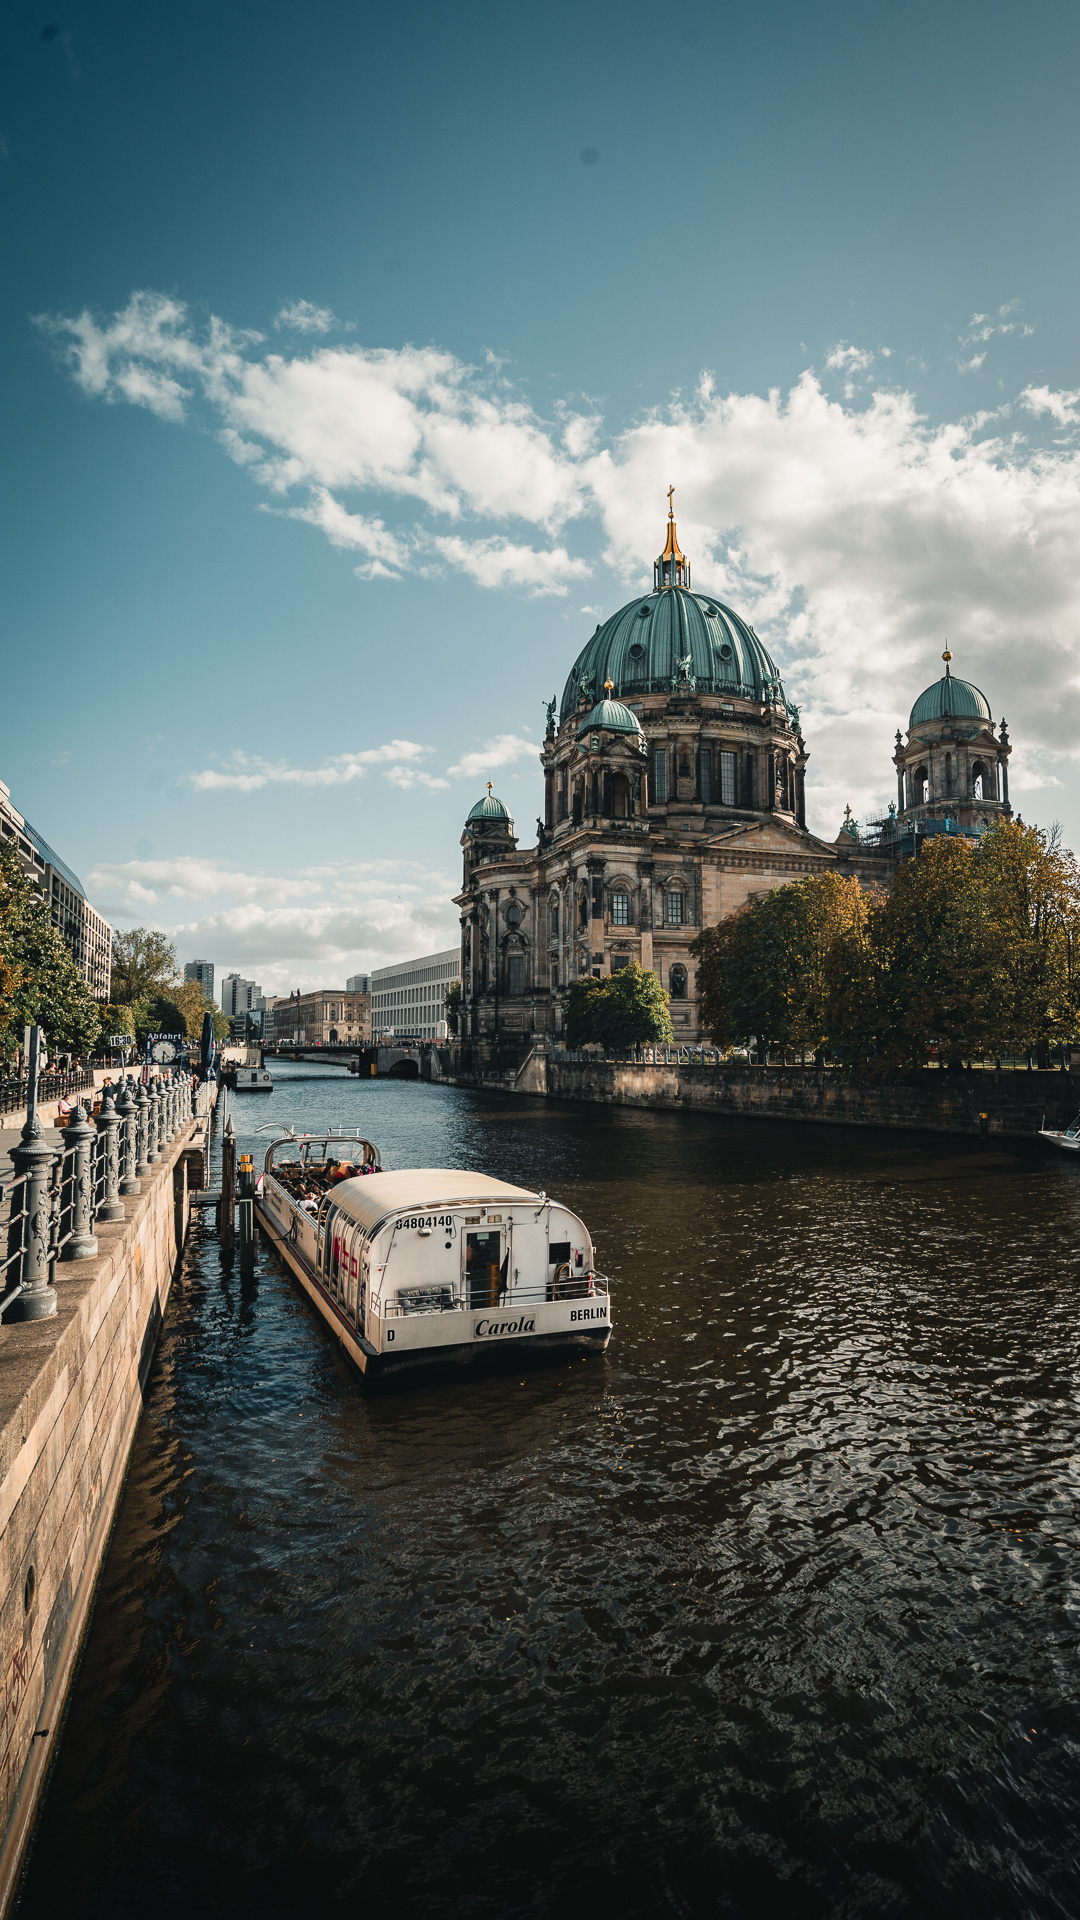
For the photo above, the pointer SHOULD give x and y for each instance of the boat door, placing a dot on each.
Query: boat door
(483, 1259)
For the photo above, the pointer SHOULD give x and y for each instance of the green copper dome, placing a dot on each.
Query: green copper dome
(668, 636)
(489, 808)
(612, 715)
(950, 699)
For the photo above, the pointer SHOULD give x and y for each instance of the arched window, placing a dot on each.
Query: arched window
(920, 787)
(982, 784)
(620, 908)
(948, 773)
(515, 973)
(620, 797)
(553, 916)
(677, 981)
(673, 908)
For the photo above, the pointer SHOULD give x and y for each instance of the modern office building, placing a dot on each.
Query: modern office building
(358, 983)
(86, 933)
(239, 995)
(407, 1000)
(203, 972)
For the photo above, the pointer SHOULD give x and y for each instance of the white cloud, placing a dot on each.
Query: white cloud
(248, 774)
(502, 751)
(412, 777)
(192, 877)
(854, 532)
(1060, 405)
(501, 563)
(309, 929)
(843, 359)
(305, 317)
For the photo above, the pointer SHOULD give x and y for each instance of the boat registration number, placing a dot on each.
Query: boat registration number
(428, 1220)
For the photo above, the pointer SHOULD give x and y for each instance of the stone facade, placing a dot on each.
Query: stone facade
(666, 809)
(328, 1018)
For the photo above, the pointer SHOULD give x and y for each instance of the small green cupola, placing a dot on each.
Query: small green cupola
(489, 809)
(609, 716)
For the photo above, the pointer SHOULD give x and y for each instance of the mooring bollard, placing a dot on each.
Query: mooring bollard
(228, 1184)
(112, 1207)
(78, 1139)
(246, 1211)
(34, 1158)
(129, 1141)
(142, 1124)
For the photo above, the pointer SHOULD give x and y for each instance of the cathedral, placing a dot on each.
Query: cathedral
(674, 776)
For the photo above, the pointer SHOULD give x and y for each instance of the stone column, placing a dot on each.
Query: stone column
(129, 1142)
(112, 1207)
(142, 1110)
(78, 1140)
(30, 1215)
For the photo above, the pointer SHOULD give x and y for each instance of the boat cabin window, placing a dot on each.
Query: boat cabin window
(558, 1250)
(483, 1269)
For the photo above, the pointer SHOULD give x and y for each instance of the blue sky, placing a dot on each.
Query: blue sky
(349, 352)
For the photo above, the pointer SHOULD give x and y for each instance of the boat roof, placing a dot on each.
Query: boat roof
(370, 1197)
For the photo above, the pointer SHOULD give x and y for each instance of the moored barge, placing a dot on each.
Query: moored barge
(430, 1266)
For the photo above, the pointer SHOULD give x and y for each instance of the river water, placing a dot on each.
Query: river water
(773, 1609)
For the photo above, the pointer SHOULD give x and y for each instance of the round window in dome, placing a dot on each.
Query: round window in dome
(637, 652)
(643, 613)
(725, 651)
(711, 611)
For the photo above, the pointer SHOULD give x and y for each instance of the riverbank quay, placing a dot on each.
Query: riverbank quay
(71, 1393)
(54, 1089)
(1013, 1105)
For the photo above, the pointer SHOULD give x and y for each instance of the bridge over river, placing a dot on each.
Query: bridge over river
(387, 1062)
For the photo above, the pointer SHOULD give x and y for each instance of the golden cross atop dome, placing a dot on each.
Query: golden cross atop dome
(947, 656)
(489, 787)
(609, 687)
(672, 569)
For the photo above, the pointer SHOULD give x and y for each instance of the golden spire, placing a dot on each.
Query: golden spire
(947, 656)
(672, 551)
(609, 687)
(489, 786)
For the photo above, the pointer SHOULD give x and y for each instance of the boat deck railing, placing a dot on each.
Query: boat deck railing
(413, 1300)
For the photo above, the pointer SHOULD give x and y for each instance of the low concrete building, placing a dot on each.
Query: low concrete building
(86, 933)
(407, 1000)
(331, 1017)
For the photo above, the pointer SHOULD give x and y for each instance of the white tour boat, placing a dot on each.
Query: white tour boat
(1069, 1141)
(252, 1080)
(430, 1266)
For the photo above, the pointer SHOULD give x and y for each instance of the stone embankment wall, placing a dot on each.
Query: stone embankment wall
(934, 1101)
(71, 1391)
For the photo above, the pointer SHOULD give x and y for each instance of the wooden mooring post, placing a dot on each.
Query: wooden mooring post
(247, 1212)
(228, 1185)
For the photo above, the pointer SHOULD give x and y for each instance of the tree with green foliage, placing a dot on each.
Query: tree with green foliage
(160, 1014)
(974, 950)
(143, 964)
(190, 997)
(39, 981)
(629, 1007)
(1029, 886)
(772, 971)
